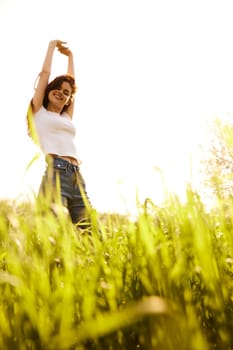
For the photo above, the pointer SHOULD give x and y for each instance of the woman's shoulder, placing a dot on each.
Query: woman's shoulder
(66, 115)
(42, 111)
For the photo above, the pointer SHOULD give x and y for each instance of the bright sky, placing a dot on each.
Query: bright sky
(150, 74)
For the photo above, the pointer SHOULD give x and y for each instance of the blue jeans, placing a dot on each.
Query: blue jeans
(65, 177)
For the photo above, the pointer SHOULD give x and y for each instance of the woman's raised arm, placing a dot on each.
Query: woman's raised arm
(70, 70)
(43, 77)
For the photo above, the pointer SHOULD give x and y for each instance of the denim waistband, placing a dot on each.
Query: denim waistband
(65, 164)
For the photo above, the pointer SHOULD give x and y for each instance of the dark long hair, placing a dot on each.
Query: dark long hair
(54, 84)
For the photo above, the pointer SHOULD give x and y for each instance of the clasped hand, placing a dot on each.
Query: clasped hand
(61, 46)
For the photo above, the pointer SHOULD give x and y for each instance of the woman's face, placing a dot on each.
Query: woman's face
(60, 96)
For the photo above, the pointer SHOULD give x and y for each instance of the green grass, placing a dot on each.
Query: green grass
(163, 281)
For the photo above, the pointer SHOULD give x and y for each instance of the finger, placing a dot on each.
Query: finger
(63, 49)
(61, 43)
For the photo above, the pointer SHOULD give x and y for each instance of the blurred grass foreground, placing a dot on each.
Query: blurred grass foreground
(163, 281)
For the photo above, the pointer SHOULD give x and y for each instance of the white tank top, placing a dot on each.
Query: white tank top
(55, 133)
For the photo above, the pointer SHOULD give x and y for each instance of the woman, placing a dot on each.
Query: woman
(51, 111)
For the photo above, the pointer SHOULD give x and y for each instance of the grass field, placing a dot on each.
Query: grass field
(163, 281)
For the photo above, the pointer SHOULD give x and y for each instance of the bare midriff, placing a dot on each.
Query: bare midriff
(69, 159)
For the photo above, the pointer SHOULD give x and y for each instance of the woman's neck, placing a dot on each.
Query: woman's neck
(54, 109)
